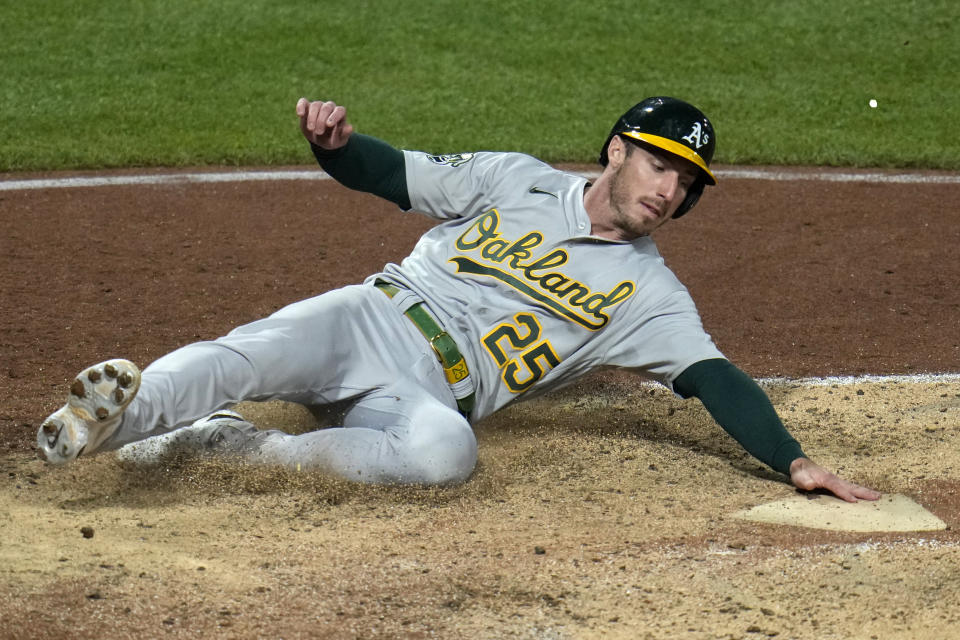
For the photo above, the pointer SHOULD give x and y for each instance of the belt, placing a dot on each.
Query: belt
(454, 366)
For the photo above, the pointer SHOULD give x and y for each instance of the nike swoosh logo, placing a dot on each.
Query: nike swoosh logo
(546, 193)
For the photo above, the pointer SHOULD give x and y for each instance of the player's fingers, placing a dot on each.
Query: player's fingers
(842, 492)
(303, 107)
(323, 121)
(849, 491)
(337, 115)
(814, 477)
(865, 493)
(313, 115)
(340, 129)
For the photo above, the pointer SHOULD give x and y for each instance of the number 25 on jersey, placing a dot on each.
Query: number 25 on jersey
(531, 359)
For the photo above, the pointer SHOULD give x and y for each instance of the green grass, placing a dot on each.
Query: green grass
(111, 83)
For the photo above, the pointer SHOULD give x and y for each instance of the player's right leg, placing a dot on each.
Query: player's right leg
(325, 349)
(298, 353)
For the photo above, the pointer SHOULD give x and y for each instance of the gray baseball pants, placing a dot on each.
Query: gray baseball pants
(351, 347)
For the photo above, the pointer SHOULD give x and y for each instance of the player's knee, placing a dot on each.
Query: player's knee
(447, 458)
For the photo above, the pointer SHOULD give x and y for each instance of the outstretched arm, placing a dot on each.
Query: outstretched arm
(354, 160)
(740, 406)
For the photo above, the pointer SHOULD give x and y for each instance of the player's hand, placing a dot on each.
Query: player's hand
(807, 475)
(324, 123)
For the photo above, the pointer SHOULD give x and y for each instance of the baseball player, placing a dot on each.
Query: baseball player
(531, 278)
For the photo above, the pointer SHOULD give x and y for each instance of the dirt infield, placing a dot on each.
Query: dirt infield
(603, 511)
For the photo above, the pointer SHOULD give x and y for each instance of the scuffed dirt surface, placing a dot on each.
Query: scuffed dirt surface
(600, 515)
(602, 511)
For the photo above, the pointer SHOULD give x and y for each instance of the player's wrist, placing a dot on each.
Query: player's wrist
(322, 153)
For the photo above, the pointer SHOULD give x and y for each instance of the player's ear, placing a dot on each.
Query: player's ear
(616, 152)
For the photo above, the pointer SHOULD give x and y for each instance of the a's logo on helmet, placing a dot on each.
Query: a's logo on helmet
(697, 137)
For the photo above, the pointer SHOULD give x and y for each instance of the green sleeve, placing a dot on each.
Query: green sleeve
(367, 164)
(740, 406)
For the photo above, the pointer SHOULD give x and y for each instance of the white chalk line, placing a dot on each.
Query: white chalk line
(161, 179)
(827, 176)
(779, 175)
(845, 381)
(848, 381)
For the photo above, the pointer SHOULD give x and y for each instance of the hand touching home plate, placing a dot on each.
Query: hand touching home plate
(889, 513)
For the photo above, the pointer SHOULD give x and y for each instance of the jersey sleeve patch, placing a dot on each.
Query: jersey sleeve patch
(452, 159)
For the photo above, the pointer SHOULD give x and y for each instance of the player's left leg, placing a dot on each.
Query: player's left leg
(398, 435)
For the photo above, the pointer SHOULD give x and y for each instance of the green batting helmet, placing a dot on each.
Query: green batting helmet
(674, 126)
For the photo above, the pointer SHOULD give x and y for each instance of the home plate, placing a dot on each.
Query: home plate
(889, 513)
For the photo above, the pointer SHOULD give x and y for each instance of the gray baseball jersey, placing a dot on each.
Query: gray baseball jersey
(531, 298)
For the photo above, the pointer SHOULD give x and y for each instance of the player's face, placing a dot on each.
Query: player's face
(647, 189)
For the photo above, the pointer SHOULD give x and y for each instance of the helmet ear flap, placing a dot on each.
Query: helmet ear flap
(693, 195)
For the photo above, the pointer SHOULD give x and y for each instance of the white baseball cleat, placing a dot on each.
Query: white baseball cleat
(223, 432)
(96, 401)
